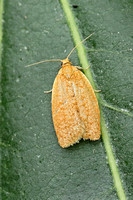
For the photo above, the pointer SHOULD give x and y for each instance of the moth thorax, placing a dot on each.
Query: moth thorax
(67, 71)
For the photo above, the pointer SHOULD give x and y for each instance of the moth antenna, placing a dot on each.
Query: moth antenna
(42, 62)
(59, 59)
(79, 44)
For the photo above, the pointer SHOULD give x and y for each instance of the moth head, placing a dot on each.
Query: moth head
(65, 62)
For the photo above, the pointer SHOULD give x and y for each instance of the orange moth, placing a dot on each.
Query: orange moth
(75, 108)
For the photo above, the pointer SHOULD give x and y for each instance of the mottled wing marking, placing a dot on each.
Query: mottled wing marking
(88, 107)
(74, 107)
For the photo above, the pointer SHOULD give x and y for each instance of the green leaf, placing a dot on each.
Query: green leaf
(34, 166)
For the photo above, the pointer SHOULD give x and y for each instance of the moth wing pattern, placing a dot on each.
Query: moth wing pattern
(75, 109)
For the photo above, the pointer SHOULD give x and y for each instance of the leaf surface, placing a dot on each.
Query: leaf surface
(34, 166)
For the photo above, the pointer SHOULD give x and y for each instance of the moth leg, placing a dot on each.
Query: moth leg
(97, 90)
(48, 91)
(78, 67)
